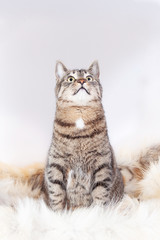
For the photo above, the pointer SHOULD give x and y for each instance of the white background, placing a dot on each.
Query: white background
(123, 35)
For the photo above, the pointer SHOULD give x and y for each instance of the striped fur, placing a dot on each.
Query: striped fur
(81, 168)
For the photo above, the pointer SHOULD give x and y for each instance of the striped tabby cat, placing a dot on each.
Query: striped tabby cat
(81, 169)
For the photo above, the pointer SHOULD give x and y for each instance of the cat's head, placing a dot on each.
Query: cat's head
(79, 86)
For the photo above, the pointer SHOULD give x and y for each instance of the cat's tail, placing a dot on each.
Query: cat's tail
(141, 174)
(16, 182)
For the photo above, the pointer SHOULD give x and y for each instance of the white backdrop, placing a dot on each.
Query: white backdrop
(123, 35)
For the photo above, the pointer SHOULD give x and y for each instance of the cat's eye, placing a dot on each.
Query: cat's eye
(70, 79)
(89, 78)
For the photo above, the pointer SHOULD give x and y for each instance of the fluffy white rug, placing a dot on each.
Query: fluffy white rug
(32, 220)
(131, 219)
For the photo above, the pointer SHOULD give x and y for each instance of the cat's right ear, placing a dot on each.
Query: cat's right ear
(94, 69)
(60, 70)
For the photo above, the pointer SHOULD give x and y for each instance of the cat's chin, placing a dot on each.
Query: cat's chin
(80, 98)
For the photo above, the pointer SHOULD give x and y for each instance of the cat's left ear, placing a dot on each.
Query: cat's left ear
(60, 70)
(94, 69)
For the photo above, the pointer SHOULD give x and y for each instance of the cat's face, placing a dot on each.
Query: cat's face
(78, 86)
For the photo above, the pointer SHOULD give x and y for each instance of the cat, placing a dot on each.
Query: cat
(81, 169)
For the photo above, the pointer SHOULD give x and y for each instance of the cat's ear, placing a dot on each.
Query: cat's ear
(94, 69)
(60, 70)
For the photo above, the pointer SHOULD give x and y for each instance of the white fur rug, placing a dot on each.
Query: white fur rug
(129, 220)
(32, 220)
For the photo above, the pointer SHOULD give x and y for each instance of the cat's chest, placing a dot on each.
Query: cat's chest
(81, 158)
(79, 123)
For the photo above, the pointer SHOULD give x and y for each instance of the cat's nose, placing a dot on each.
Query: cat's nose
(81, 81)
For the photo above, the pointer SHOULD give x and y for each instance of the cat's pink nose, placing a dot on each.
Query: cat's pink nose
(82, 80)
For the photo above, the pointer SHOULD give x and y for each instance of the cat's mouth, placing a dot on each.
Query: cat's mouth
(81, 88)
